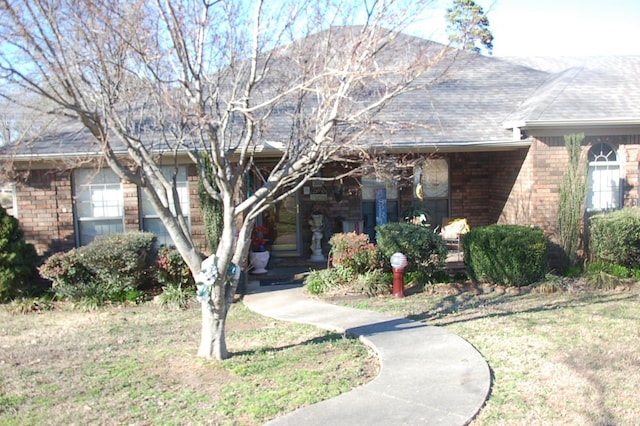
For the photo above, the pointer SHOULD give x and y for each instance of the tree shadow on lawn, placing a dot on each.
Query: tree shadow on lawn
(466, 307)
(328, 338)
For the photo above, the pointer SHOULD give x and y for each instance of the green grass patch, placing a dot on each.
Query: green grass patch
(137, 365)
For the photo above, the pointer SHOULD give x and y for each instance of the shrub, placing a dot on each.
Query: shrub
(321, 281)
(602, 281)
(599, 266)
(614, 237)
(179, 285)
(111, 268)
(29, 305)
(121, 262)
(354, 252)
(172, 270)
(174, 297)
(572, 193)
(372, 283)
(426, 252)
(18, 274)
(512, 255)
(327, 281)
(71, 278)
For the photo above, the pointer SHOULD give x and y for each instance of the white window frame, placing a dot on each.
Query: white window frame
(149, 219)
(603, 180)
(9, 198)
(98, 204)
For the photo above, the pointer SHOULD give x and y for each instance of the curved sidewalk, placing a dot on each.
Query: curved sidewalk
(428, 375)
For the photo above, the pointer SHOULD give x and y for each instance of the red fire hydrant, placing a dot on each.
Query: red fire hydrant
(398, 263)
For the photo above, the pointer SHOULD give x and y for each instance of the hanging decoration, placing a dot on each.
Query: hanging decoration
(208, 276)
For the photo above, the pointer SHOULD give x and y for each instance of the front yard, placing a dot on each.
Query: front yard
(561, 358)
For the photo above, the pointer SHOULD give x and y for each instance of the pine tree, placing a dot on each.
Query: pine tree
(468, 26)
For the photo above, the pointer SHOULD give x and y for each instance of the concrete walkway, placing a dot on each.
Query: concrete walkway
(428, 376)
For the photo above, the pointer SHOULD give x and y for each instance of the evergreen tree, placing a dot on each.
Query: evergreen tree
(572, 199)
(468, 26)
(18, 275)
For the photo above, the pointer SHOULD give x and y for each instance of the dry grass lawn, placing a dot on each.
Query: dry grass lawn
(136, 365)
(570, 358)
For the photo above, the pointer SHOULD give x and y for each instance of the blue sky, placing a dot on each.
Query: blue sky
(561, 27)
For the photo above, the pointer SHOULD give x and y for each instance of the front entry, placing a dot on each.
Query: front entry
(283, 222)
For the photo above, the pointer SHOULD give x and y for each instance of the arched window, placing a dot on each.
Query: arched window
(603, 185)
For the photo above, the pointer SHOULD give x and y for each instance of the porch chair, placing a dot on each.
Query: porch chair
(452, 232)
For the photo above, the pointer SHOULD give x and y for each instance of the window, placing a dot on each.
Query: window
(603, 184)
(431, 183)
(379, 203)
(8, 198)
(98, 204)
(150, 220)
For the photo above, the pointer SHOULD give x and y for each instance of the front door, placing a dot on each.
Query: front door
(283, 222)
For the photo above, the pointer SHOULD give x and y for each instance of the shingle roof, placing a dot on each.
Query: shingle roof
(592, 88)
(479, 101)
(472, 104)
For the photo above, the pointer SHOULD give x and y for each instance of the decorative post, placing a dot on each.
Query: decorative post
(398, 263)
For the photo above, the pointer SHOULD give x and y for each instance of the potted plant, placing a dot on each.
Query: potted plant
(259, 256)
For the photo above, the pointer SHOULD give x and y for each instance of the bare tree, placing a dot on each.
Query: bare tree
(222, 79)
(20, 124)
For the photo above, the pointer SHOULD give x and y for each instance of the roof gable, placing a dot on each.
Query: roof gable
(592, 90)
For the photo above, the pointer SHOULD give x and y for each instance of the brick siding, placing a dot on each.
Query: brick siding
(45, 210)
(517, 187)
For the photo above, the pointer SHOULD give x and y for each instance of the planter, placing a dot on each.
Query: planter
(258, 262)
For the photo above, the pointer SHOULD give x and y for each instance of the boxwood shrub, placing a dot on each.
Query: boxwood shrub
(511, 255)
(426, 252)
(110, 268)
(614, 237)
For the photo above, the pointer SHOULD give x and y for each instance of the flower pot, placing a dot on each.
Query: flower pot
(258, 261)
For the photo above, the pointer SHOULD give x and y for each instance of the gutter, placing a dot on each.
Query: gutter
(270, 149)
(589, 123)
(460, 146)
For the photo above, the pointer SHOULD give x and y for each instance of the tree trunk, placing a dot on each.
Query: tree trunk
(217, 282)
(212, 339)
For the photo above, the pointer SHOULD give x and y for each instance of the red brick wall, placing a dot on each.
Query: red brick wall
(45, 210)
(131, 207)
(519, 187)
(196, 221)
(482, 184)
(535, 198)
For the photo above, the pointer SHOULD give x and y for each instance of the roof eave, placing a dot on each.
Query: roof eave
(461, 146)
(591, 126)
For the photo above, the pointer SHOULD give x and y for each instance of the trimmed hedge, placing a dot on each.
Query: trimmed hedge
(511, 255)
(426, 252)
(107, 269)
(614, 237)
